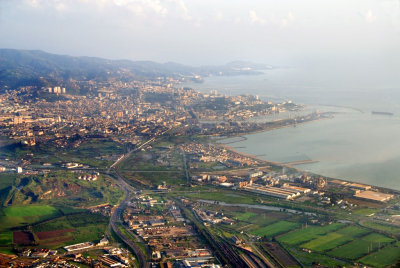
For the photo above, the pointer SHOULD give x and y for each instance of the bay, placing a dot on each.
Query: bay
(355, 145)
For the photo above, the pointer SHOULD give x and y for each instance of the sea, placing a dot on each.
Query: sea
(354, 145)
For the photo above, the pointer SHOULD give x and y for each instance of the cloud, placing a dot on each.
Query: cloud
(369, 16)
(290, 16)
(219, 16)
(255, 19)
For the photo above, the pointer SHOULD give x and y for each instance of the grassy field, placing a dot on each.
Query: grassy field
(326, 242)
(383, 227)
(224, 196)
(377, 238)
(87, 227)
(309, 259)
(17, 216)
(355, 249)
(307, 234)
(365, 211)
(6, 237)
(384, 257)
(245, 216)
(152, 179)
(275, 228)
(353, 231)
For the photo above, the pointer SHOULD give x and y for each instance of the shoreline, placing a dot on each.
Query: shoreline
(267, 129)
(282, 164)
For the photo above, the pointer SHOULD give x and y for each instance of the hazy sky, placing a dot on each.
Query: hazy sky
(208, 31)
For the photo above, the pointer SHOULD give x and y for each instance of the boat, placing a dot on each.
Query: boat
(382, 113)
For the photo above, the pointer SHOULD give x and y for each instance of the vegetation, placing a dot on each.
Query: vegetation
(326, 242)
(83, 227)
(17, 216)
(308, 233)
(275, 228)
(62, 188)
(384, 257)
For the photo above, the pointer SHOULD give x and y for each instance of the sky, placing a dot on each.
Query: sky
(350, 33)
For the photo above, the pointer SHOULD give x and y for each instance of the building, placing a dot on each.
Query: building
(272, 191)
(374, 196)
(79, 246)
(360, 186)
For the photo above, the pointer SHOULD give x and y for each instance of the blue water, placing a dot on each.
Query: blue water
(355, 145)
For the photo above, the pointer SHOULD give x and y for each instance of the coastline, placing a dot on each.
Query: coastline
(228, 146)
(269, 129)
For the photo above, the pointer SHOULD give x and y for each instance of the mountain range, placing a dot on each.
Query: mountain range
(38, 68)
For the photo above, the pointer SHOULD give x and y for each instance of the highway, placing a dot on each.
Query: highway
(117, 213)
(115, 219)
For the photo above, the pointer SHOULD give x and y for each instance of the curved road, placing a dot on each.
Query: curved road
(115, 218)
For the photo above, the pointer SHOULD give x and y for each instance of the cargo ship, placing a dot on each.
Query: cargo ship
(382, 113)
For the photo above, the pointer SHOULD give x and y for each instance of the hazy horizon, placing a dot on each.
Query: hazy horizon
(341, 43)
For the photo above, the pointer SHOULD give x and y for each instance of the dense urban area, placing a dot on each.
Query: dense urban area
(138, 173)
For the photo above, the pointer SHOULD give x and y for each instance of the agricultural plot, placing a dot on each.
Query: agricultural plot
(23, 238)
(275, 228)
(280, 255)
(16, 216)
(6, 237)
(245, 216)
(335, 239)
(326, 242)
(55, 237)
(383, 227)
(384, 257)
(353, 231)
(303, 235)
(377, 238)
(71, 229)
(309, 259)
(355, 249)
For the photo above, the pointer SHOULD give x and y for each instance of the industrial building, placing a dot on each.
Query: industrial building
(272, 191)
(374, 196)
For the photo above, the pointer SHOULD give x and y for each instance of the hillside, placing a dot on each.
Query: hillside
(38, 68)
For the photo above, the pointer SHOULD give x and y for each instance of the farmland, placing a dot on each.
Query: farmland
(17, 216)
(357, 248)
(307, 234)
(327, 241)
(71, 229)
(334, 239)
(275, 228)
(383, 257)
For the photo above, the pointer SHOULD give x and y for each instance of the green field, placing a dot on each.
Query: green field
(307, 234)
(88, 227)
(6, 237)
(355, 249)
(224, 196)
(327, 241)
(384, 257)
(365, 211)
(275, 228)
(245, 216)
(309, 259)
(353, 231)
(17, 216)
(383, 227)
(377, 238)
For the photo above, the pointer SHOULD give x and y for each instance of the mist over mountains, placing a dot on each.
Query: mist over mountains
(39, 68)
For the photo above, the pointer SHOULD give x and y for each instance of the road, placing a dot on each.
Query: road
(116, 215)
(115, 219)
